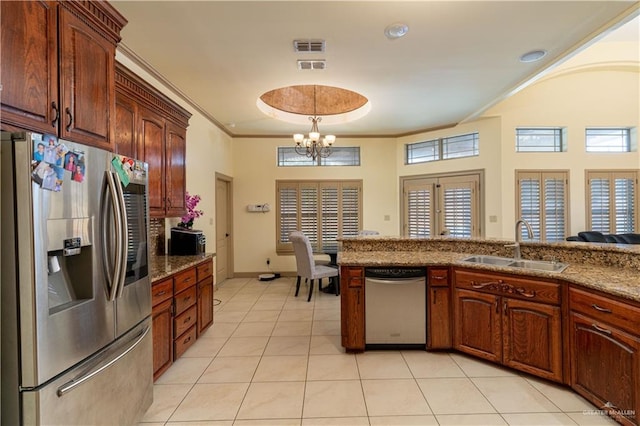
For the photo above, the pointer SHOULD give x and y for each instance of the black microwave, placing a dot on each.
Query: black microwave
(185, 242)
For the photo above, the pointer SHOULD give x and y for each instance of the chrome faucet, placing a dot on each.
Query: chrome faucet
(516, 245)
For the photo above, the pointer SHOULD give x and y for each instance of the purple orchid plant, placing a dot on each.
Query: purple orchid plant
(191, 201)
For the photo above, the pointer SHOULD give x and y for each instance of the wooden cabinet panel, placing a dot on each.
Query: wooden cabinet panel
(506, 285)
(87, 86)
(204, 270)
(175, 170)
(606, 309)
(162, 325)
(185, 320)
(605, 367)
(161, 291)
(352, 308)
(184, 342)
(205, 304)
(152, 138)
(478, 324)
(438, 277)
(184, 280)
(29, 69)
(532, 338)
(185, 299)
(439, 318)
(125, 131)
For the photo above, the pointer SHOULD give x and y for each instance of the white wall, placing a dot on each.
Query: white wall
(255, 172)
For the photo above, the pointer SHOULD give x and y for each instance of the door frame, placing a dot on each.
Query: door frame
(228, 180)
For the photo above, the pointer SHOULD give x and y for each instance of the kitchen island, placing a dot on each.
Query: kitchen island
(579, 327)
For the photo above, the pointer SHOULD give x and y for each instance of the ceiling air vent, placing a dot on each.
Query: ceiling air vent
(308, 46)
(316, 64)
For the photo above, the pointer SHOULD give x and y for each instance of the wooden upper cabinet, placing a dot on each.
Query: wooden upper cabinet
(30, 78)
(176, 144)
(153, 129)
(74, 40)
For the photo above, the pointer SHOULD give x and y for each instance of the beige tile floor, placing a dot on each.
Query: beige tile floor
(273, 359)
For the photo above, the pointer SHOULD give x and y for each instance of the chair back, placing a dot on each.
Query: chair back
(304, 254)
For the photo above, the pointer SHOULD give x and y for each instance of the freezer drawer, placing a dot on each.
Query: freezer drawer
(395, 311)
(114, 387)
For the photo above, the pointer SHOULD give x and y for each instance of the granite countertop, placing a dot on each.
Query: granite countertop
(623, 282)
(164, 266)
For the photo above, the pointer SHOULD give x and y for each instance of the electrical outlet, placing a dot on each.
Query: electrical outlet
(268, 261)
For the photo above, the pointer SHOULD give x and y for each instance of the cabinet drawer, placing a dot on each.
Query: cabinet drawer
(605, 309)
(184, 279)
(162, 291)
(439, 277)
(184, 341)
(205, 270)
(506, 285)
(185, 299)
(185, 320)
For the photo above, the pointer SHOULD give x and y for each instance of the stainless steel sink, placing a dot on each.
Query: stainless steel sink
(540, 265)
(489, 260)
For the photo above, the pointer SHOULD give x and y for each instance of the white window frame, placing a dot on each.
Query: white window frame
(441, 149)
(322, 219)
(594, 134)
(548, 210)
(536, 134)
(613, 219)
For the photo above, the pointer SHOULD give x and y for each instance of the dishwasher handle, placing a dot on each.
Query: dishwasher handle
(395, 281)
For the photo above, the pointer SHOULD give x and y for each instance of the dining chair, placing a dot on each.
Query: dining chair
(306, 265)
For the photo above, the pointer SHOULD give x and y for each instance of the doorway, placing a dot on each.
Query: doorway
(224, 225)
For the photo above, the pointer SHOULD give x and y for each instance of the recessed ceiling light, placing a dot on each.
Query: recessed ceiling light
(396, 30)
(534, 55)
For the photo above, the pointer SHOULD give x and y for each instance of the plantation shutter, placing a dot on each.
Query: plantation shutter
(542, 201)
(624, 202)
(555, 206)
(322, 210)
(613, 200)
(530, 195)
(458, 218)
(419, 207)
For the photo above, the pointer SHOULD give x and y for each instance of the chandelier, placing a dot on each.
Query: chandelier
(312, 146)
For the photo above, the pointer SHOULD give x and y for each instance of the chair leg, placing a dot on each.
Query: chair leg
(336, 283)
(297, 285)
(310, 291)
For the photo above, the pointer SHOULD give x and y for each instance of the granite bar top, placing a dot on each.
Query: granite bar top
(164, 266)
(608, 268)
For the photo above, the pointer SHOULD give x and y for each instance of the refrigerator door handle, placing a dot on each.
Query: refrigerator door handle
(113, 276)
(102, 365)
(124, 235)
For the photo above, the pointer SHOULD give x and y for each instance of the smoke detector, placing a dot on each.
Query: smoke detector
(396, 30)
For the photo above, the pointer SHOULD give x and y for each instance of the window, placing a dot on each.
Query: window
(442, 149)
(542, 200)
(340, 156)
(323, 210)
(441, 205)
(608, 140)
(612, 199)
(540, 140)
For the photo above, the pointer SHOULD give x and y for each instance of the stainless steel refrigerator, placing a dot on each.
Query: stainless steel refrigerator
(76, 299)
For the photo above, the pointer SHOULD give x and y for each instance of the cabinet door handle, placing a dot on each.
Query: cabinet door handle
(187, 340)
(186, 320)
(68, 111)
(601, 309)
(600, 329)
(434, 297)
(57, 116)
(439, 277)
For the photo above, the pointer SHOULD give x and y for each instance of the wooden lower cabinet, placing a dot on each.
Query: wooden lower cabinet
(438, 309)
(352, 308)
(182, 311)
(517, 330)
(605, 354)
(162, 325)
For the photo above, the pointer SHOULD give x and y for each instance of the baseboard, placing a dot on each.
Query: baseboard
(255, 274)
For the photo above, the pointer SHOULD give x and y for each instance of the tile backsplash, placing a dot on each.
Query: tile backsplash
(157, 236)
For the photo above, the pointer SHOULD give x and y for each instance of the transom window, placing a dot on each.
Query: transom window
(340, 156)
(608, 140)
(323, 210)
(540, 139)
(442, 149)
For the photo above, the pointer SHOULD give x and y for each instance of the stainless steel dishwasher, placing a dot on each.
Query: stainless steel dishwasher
(395, 306)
